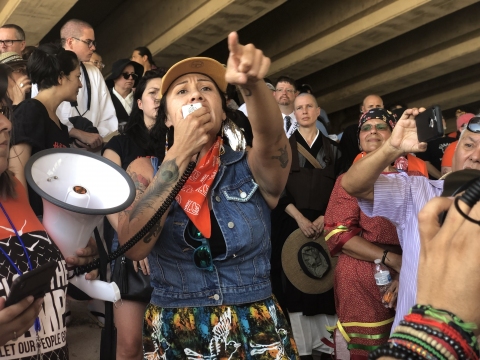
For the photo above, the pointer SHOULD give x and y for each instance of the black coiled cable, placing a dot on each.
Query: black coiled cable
(470, 197)
(146, 228)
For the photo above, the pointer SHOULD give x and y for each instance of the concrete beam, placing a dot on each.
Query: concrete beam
(451, 98)
(176, 29)
(35, 17)
(352, 35)
(426, 65)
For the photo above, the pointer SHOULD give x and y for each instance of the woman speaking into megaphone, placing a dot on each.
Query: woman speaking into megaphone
(25, 246)
(209, 256)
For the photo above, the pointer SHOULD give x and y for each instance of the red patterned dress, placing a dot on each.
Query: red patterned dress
(357, 297)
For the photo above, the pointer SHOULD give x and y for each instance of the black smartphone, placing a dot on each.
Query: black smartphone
(429, 124)
(33, 283)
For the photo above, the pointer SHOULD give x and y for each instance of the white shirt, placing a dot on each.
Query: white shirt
(101, 114)
(399, 198)
(126, 102)
(293, 127)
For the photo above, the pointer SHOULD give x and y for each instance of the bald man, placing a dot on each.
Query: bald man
(370, 102)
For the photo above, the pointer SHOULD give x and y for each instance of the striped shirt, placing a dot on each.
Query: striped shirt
(399, 198)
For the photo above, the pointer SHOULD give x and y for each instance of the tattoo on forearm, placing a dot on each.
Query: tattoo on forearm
(153, 233)
(246, 91)
(162, 184)
(283, 157)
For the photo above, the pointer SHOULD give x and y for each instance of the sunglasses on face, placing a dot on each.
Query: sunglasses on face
(379, 127)
(474, 125)
(126, 76)
(202, 256)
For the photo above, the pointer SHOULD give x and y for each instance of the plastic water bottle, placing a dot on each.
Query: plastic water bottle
(383, 280)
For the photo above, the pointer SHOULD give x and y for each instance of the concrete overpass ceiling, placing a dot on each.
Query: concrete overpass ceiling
(92, 11)
(405, 50)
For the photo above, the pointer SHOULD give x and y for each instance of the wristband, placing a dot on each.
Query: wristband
(385, 252)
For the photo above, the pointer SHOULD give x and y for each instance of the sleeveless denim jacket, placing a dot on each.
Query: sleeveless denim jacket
(242, 274)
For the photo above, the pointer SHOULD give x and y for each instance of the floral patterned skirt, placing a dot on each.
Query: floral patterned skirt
(256, 330)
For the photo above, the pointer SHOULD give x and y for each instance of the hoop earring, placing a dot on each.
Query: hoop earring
(222, 149)
(234, 135)
(166, 141)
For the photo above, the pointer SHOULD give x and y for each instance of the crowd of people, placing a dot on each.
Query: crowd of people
(272, 242)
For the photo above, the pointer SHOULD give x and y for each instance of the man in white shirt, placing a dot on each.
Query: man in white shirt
(93, 99)
(285, 93)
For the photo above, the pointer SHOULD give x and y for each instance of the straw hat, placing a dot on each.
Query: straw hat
(307, 263)
(203, 65)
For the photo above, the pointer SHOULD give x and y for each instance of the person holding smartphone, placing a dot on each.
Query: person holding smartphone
(29, 327)
(399, 197)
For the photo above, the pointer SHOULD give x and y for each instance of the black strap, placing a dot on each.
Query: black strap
(108, 342)
(89, 91)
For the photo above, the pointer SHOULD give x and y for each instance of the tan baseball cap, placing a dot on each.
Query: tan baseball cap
(202, 65)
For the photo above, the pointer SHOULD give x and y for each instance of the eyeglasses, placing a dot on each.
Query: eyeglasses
(474, 125)
(90, 43)
(290, 91)
(202, 256)
(126, 76)
(98, 64)
(8, 42)
(379, 127)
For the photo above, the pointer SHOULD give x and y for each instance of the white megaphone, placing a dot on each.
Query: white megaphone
(78, 188)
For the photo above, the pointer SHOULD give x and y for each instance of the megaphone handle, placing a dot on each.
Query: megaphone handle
(148, 226)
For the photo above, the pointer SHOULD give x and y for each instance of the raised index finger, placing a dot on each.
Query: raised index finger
(233, 45)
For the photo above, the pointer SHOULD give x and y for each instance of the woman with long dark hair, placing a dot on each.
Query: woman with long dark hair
(37, 126)
(143, 56)
(123, 149)
(209, 253)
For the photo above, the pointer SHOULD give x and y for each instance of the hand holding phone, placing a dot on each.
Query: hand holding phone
(33, 283)
(429, 124)
(15, 320)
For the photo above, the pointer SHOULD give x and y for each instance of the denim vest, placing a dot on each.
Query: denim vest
(242, 274)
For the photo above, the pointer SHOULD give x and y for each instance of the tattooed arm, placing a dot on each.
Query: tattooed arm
(150, 194)
(269, 158)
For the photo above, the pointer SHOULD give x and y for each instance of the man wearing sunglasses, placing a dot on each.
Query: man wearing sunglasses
(93, 99)
(399, 197)
(123, 78)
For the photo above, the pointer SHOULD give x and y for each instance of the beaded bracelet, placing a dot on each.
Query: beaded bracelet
(394, 350)
(435, 343)
(457, 341)
(439, 335)
(465, 329)
(415, 348)
(420, 342)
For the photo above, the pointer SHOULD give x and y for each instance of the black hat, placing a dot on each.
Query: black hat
(118, 67)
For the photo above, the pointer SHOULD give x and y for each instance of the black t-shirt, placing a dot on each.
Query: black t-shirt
(32, 125)
(435, 150)
(126, 148)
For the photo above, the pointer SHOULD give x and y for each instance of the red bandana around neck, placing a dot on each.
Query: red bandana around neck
(193, 196)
